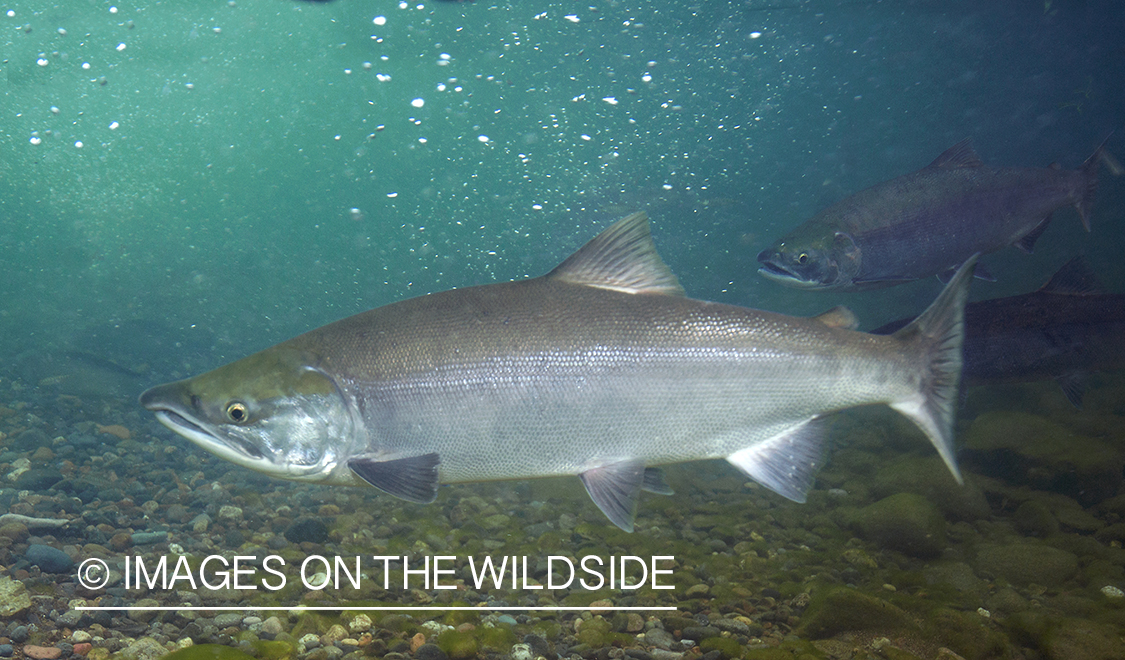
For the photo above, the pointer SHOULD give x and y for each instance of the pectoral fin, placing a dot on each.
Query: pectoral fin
(786, 463)
(414, 478)
(614, 488)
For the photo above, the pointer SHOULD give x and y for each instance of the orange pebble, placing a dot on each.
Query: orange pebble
(115, 429)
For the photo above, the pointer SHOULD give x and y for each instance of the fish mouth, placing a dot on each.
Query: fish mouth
(201, 436)
(773, 271)
(162, 401)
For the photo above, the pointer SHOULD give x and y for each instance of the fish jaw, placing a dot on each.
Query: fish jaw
(269, 413)
(828, 260)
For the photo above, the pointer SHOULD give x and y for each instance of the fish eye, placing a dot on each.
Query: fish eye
(803, 258)
(237, 412)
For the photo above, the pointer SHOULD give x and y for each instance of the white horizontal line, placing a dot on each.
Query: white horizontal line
(367, 608)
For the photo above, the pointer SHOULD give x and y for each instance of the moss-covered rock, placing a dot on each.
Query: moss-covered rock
(208, 652)
(1034, 518)
(1034, 451)
(905, 522)
(1065, 639)
(841, 609)
(1027, 563)
(458, 645)
(965, 633)
(926, 475)
(730, 648)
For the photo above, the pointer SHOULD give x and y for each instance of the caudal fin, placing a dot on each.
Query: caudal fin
(937, 335)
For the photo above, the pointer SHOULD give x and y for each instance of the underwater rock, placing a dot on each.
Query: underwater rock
(145, 648)
(907, 522)
(430, 652)
(842, 609)
(13, 597)
(1027, 563)
(1034, 518)
(308, 529)
(48, 559)
(928, 477)
(1031, 450)
(38, 479)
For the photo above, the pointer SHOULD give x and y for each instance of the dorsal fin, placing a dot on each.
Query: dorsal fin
(1075, 277)
(622, 258)
(961, 154)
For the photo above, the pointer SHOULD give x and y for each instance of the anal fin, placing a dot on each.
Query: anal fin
(654, 482)
(1027, 243)
(1074, 387)
(786, 463)
(414, 478)
(614, 488)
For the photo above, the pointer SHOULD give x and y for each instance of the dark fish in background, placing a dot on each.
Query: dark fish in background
(1063, 331)
(929, 222)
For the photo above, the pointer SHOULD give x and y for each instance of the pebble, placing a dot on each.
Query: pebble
(41, 652)
(272, 626)
(79, 636)
(6, 650)
(83, 648)
(148, 538)
(50, 560)
(429, 652)
(230, 512)
(227, 620)
(361, 623)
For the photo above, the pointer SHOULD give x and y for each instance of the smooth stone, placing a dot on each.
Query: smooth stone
(148, 538)
(41, 652)
(430, 652)
(50, 560)
(38, 479)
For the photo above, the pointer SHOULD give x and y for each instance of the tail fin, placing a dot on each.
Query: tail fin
(1090, 170)
(937, 335)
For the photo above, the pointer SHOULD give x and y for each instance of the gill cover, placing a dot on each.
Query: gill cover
(275, 412)
(822, 262)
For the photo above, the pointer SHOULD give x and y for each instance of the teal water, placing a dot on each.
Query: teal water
(184, 183)
(245, 134)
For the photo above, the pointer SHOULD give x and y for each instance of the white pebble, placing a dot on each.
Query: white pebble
(54, 109)
(121, 46)
(78, 144)
(482, 138)
(1111, 591)
(113, 125)
(42, 61)
(35, 139)
(418, 103)
(380, 20)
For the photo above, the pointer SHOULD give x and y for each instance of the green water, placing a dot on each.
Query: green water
(225, 145)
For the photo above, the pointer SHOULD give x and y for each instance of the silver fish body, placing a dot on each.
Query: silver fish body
(601, 369)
